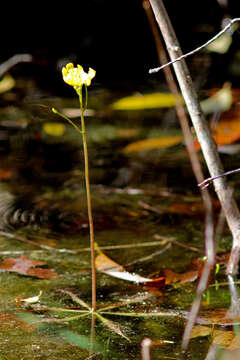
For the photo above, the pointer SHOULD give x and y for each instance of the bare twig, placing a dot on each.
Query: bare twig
(207, 181)
(23, 239)
(203, 132)
(14, 60)
(156, 236)
(151, 71)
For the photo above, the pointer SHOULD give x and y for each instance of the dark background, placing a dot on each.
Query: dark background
(112, 36)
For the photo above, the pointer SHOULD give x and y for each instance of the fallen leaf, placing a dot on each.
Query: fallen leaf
(190, 208)
(220, 45)
(153, 143)
(7, 83)
(187, 208)
(172, 277)
(225, 338)
(5, 174)
(32, 300)
(25, 266)
(146, 101)
(220, 101)
(219, 317)
(107, 266)
(54, 128)
(8, 319)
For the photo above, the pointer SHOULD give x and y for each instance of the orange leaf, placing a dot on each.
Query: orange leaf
(226, 132)
(153, 143)
(5, 174)
(156, 283)
(172, 277)
(25, 266)
(8, 320)
(107, 266)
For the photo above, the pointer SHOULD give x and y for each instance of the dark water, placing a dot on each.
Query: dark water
(142, 200)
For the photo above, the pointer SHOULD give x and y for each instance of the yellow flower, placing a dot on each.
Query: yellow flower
(76, 76)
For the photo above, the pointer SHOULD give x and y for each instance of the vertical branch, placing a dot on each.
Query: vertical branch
(180, 109)
(146, 349)
(197, 170)
(205, 139)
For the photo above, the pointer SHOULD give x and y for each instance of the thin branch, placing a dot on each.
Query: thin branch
(207, 181)
(154, 70)
(14, 60)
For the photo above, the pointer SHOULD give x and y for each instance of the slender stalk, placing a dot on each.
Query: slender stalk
(208, 146)
(89, 205)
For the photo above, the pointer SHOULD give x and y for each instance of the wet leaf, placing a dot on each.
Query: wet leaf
(147, 101)
(54, 128)
(225, 338)
(154, 143)
(25, 266)
(187, 208)
(225, 133)
(8, 320)
(220, 45)
(107, 266)
(5, 174)
(190, 208)
(220, 101)
(32, 300)
(7, 83)
(172, 277)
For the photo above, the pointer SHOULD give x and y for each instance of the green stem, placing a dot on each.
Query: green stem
(67, 118)
(89, 206)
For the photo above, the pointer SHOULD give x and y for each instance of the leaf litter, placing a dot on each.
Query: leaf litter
(28, 267)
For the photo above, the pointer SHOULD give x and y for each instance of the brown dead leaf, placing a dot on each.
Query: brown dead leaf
(172, 277)
(25, 266)
(223, 337)
(191, 209)
(5, 174)
(107, 266)
(225, 133)
(219, 317)
(8, 319)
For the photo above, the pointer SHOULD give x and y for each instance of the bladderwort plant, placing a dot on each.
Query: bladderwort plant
(78, 78)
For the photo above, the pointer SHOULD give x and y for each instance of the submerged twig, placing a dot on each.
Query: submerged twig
(23, 239)
(151, 256)
(228, 26)
(156, 236)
